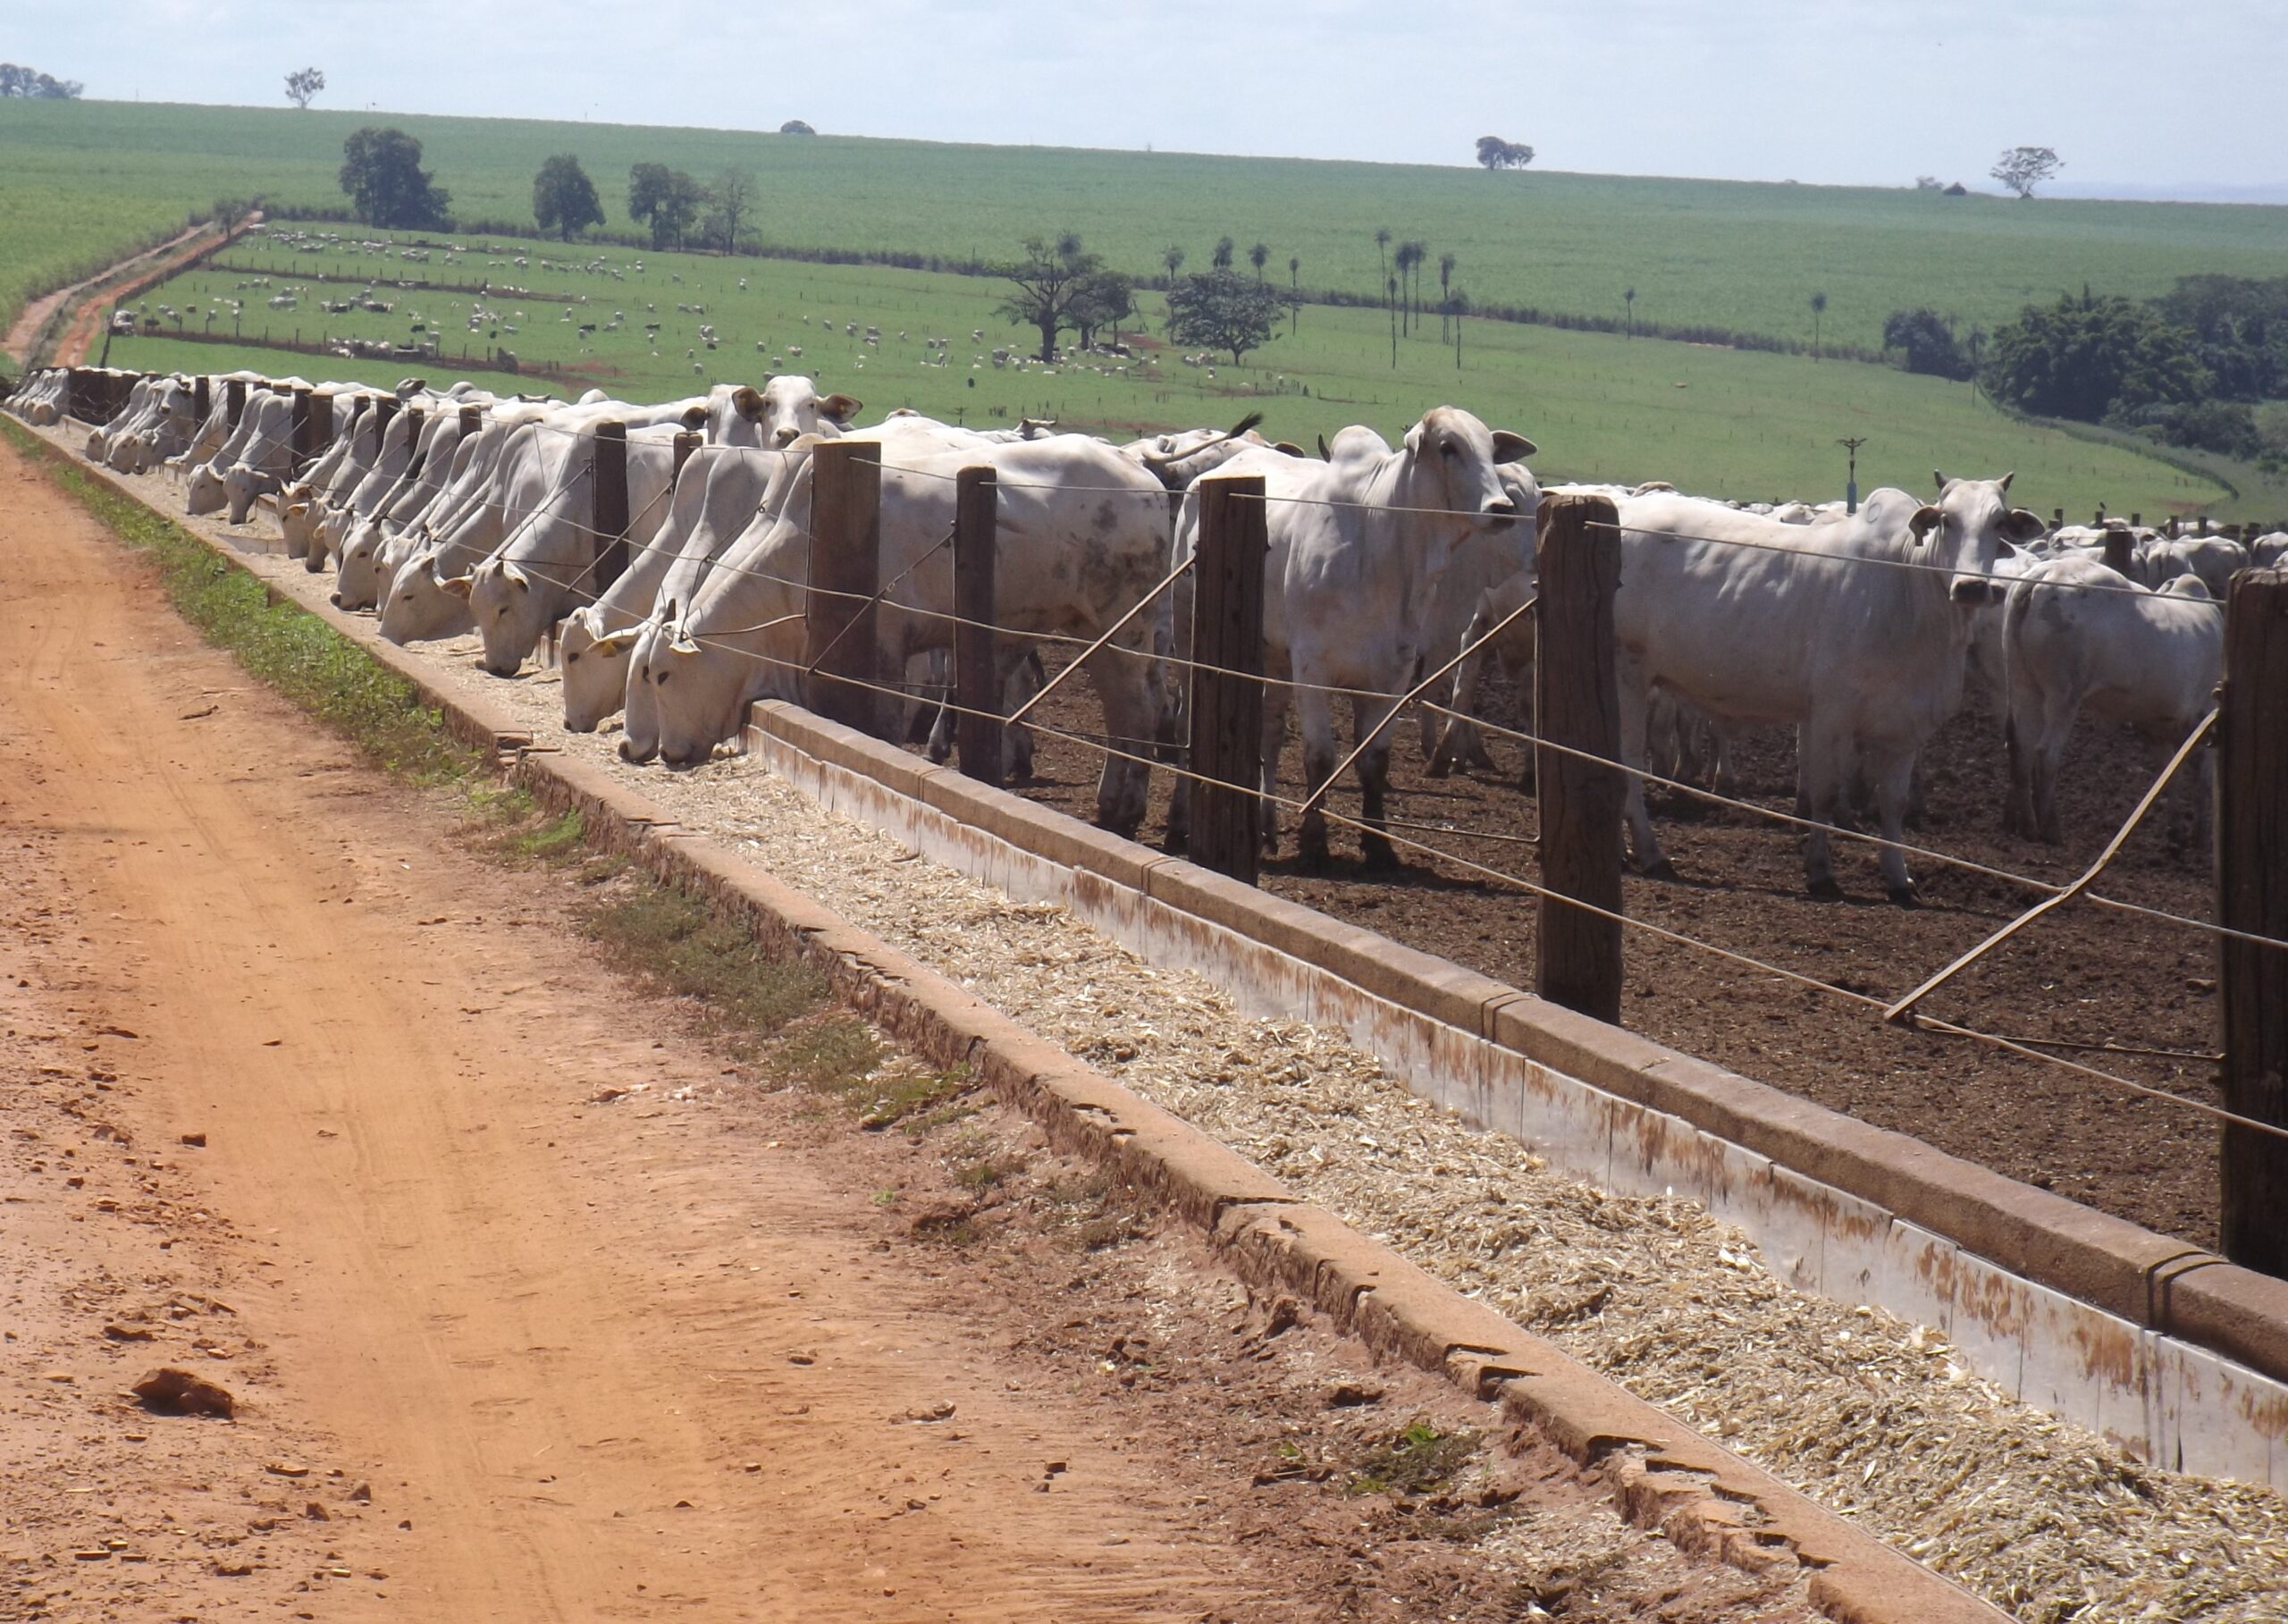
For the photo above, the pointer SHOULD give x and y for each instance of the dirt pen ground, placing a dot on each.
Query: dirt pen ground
(2084, 975)
(536, 1305)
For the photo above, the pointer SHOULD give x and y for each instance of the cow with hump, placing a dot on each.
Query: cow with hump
(1082, 537)
(1855, 633)
(1358, 547)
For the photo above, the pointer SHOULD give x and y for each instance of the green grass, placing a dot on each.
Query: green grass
(1721, 422)
(1745, 257)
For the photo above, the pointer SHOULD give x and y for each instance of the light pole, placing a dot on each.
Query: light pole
(1851, 489)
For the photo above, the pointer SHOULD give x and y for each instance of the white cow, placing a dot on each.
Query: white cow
(1358, 546)
(2081, 636)
(782, 411)
(1854, 633)
(1082, 537)
(257, 455)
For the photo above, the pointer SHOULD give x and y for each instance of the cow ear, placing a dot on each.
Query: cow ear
(514, 578)
(1926, 520)
(2005, 480)
(1511, 448)
(840, 408)
(2021, 525)
(459, 585)
(1941, 479)
(694, 417)
(683, 646)
(1325, 456)
(613, 644)
(748, 402)
(1288, 448)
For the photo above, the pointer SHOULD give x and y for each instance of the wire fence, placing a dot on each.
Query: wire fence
(735, 559)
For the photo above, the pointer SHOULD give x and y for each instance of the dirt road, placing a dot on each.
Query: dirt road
(304, 1097)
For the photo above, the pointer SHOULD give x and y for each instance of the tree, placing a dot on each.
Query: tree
(1104, 300)
(1259, 256)
(667, 199)
(1049, 278)
(1629, 312)
(1223, 310)
(1496, 153)
(564, 200)
(1382, 254)
(1819, 308)
(729, 200)
(15, 80)
(794, 126)
(1409, 257)
(302, 86)
(1446, 262)
(1928, 183)
(1222, 259)
(380, 169)
(1172, 258)
(2024, 168)
(1925, 343)
(1294, 293)
(229, 211)
(2085, 357)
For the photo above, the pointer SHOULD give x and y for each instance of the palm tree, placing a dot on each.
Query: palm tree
(1409, 254)
(1172, 256)
(1259, 256)
(1295, 288)
(1819, 308)
(1223, 255)
(1628, 304)
(1389, 292)
(1382, 250)
(1420, 251)
(1446, 262)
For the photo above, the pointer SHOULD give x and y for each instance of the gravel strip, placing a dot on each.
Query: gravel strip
(1868, 1415)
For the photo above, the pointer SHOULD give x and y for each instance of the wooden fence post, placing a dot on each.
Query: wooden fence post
(839, 619)
(977, 681)
(298, 442)
(1578, 704)
(607, 490)
(202, 398)
(385, 407)
(1226, 752)
(687, 442)
(2117, 553)
(320, 422)
(472, 420)
(234, 394)
(2252, 895)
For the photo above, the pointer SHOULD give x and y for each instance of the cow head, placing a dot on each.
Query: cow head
(1178, 459)
(1454, 461)
(595, 665)
(207, 493)
(511, 609)
(1965, 532)
(421, 605)
(788, 407)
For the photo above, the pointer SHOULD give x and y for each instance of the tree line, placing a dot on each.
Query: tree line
(16, 79)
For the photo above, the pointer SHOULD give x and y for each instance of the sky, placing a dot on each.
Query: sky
(2153, 97)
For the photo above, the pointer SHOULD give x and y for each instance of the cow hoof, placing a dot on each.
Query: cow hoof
(1311, 857)
(1905, 895)
(1441, 767)
(1377, 857)
(1825, 889)
(1663, 870)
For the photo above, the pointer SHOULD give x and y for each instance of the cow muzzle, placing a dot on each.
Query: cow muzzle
(1975, 591)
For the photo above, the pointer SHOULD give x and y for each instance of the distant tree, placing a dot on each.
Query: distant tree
(2086, 357)
(380, 169)
(1446, 262)
(794, 126)
(1172, 258)
(1410, 257)
(564, 200)
(16, 79)
(229, 211)
(1496, 153)
(730, 200)
(1048, 279)
(1925, 343)
(2024, 168)
(1928, 183)
(1223, 310)
(1104, 300)
(302, 86)
(1629, 312)
(1382, 254)
(667, 200)
(1294, 292)
(1259, 256)
(1222, 259)
(1819, 309)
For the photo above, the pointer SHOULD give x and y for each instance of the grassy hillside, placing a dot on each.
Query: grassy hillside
(1714, 420)
(1740, 256)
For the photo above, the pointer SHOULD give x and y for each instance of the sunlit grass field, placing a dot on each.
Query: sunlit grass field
(1712, 420)
(1744, 257)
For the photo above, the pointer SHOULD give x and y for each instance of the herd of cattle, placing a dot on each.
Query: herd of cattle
(446, 512)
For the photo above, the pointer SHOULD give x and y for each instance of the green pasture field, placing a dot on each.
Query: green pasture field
(1712, 420)
(1737, 255)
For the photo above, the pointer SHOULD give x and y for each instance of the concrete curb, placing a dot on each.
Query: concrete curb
(1664, 1475)
(2153, 1282)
